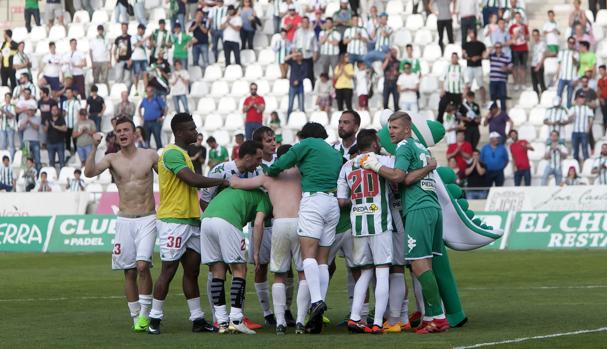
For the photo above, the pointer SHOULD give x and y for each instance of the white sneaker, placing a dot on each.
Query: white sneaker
(241, 327)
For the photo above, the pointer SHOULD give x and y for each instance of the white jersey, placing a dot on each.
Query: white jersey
(371, 212)
(600, 163)
(225, 170)
(345, 152)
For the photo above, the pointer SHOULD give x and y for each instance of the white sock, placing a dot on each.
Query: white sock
(303, 301)
(364, 313)
(156, 312)
(279, 298)
(351, 283)
(312, 272)
(195, 311)
(382, 293)
(221, 313)
(145, 300)
(134, 309)
(263, 295)
(210, 294)
(236, 314)
(419, 296)
(360, 292)
(324, 280)
(289, 289)
(397, 295)
(404, 312)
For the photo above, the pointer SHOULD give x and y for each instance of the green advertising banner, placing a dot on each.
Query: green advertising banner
(23, 234)
(558, 230)
(82, 233)
(497, 219)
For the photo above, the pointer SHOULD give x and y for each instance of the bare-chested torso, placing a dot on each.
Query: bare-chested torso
(285, 193)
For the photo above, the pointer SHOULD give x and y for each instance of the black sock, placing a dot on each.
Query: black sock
(218, 292)
(237, 292)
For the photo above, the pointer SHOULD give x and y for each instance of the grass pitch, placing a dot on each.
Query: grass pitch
(76, 301)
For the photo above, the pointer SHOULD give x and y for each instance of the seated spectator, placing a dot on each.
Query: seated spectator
(495, 157)
(363, 84)
(238, 140)
(8, 125)
(75, 184)
(96, 106)
(572, 178)
(451, 86)
(382, 41)
(552, 33)
(556, 117)
(461, 151)
(198, 154)
(476, 177)
(180, 82)
(599, 166)
(555, 152)
(324, 93)
(24, 82)
(83, 133)
(451, 123)
(497, 121)
(29, 175)
(459, 175)
(43, 184)
(7, 181)
(520, 159)
(217, 153)
(126, 108)
(470, 114)
(275, 125)
(408, 89)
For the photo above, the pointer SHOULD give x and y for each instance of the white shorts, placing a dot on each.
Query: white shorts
(52, 11)
(342, 247)
(285, 246)
(474, 74)
(134, 241)
(398, 239)
(176, 238)
(318, 217)
(266, 244)
(372, 249)
(220, 241)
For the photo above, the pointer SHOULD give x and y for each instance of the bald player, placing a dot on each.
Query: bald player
(131, 169)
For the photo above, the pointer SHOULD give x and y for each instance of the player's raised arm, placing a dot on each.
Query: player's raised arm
(92, 169)
(248, 183)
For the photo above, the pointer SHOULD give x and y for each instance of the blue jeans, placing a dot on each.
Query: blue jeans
(216, 36)
(139, 8)
(179, 17)
(356, 58)
(497, 90)
(375, 55)
(34, 147)
(59, 149)
(556, 172)
(84, 151)
(7, 141)
(520, 175)
(467, 23)
(120, 14)
(391, 89)
(184, 101)
(249, 128)
(299, 92)
(153, 127)
(200, 50)
(561, 86)
(495, 177)
(97, 120)
(476, 194)
(579, 139)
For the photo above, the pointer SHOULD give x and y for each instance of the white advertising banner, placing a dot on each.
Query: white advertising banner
(43, 204)
(569, 198)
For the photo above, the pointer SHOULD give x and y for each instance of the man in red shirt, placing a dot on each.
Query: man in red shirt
(461, 150)
(602, 92)
(291, 22)
(253, 108)
(238, 139)
(520, 160)
(519, 38)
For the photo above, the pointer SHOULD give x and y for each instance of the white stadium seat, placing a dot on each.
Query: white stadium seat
(414, 22)
(82, 17)
(395, 22)
(439, 67)
(281, 87)
(587, 168)
(402, 37)
(240, 88)
(273, 72)
(536, 116)
(226, 105)
(38, 33)
(527, 132)
(528, 99)
(20, 34)
(266, 56)
(99, 17)
(547, 97)
(253, 72)
(568, 163)
(263, 87)
(213, 122)
(56, 33)
(219, 89)
(428, 84)
(271, 102)
(76, 31)
(365, 118)
(116, 91)
(234, 121)
(452, 48)
(423, 37)
(518, 116)
(206, 105)
(431, 22)
(247, 57)
(539, 150)
(601, 18)
(195, 73)
(213, 72)
(296, 120)
(199, 89)
(319, 117)
(432, 52)
(395, 7)
(233, 72)
(222, 137)
(260, 42)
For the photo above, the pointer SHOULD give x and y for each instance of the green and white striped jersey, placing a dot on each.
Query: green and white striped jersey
(6, 175)
(282, 48)
(555, 155)
(600, 163)
(356, 46)
(217, 14)
(568, 68)
(328, 49)
(583, 117)
(556, 114)
(383, 40)
(71, 108)
(368, 191)
(8, 122)
(454, 79)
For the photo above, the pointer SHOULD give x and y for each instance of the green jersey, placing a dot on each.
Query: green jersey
(219, 154)
(180, 45)
(237, 206)
(412, 155)
(318, 163)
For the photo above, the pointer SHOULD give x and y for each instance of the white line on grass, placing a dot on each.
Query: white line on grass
(523, 339)
(535, 288)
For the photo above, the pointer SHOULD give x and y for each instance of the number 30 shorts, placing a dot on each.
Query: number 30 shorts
(176, 238)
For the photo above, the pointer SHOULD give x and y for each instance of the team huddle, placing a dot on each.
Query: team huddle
(304, 204)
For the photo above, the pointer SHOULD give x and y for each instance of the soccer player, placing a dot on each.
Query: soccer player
(285, 194)
(413, 169)
(319, 165)
(222, 245)
(132, 169)
(371, 220)
(178, 223)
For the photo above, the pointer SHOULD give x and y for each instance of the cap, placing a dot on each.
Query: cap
(494, 135)
(556, 101)
(493, 106)
(383, 14)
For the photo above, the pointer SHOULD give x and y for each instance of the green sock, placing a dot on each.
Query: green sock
(431, 294)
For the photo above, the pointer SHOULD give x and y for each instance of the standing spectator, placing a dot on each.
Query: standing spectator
(7, 52)
(344, 83)
(100, 48)
(29, 175)
(7, 180)
(280, 8)
(217, 13)
(138, 11)
(323, 90)
(356, 37)
(122, 54)
(578, 15)
(318, 23)
(580, 34)
(552, 33)
(238, 140)
(253, 107)
(180, 80)
(495, 158)
(572, 178)
(538, 55)
(566, 72)
(198, 154)
(158, 77)
(22, 62)
(602, 93)
(474, 51)
(460, 150)
(451, 86)
(490, 8)
(71, 107)
(282, 47)
(181, 42)
(177, 12)
(160, 41)
(43, 185)
(382, 41)
(468, 12)
(414, 62)
(96, 107)
(154, 110)
(231, 35)
(329, 48)
(124, 109)
(54, 10)
(29, 125)
(362, 85)
(299, 71)
(476, 177)
(511, 9)
(408, 88)
(582, 118)
(590, 94)
(555, 152)
(120, 11)
(501, 65)
(217, 153)
(451, 123)
(501, 36)
(343, 20)
(305, 41)
(139, 56)
(291, 22)
(31, 9)
(76, 184)
(390, 67)
(519, 148)
(470, 115)
(596, 5)
(498, 120)
(45, 105)
(587, 59)
(444, 21)
(8, 125)
(249, 24)
(83, 133)
(519, 34)
(599, 166)
(56, 131)
(200, 43)
(76, 62)
(556, 117)
(275, 126)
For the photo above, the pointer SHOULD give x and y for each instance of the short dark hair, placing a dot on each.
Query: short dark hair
(8, 94)
(77, 171)
(251, 85)
(30, 159)
(5, 157)
(354, 114)
(141, 26)
(282, 150)
(44, 90)
(326, 19)
(161, 21)
(100, 27)
(125, 121)
(43, 173)
(9, 33)
(602, 66)
(558, 134)
(535, 31)
(239, 135)
(72, 40)
(211, 140)
(586, 44)
(94, 88)
(179, 119)
(366, 137)
(512, 131)
(409, 45)
(51, 44)
(27, 89)
(259, 133)
(313, 130)
(460, 131)
(178, 25)
(248, 148)
(550, 12)
(470, 93)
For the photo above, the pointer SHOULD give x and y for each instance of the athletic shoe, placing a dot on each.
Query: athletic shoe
(317, 309)
(250, 324)
(154, 326)
(377, 330)
(396, 328)
(281, 330)
(299, 328)
(142, 324)
(405, 327)
(223, 328)
(421, 325)
(314, 325)
(326, 320)
(358, 327)
(415, 318)
(239, 327)
(434, 326)
(270, 320)
(201, 325)
(289, 318)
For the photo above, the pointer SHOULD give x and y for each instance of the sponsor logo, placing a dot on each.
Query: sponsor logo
(365, 209)
(411, 242)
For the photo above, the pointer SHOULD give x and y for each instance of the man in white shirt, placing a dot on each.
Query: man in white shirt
(539, 53)
(51, 69)
(140, 56)
(305, 41)
(29, 124)
(468, 12)
(408, 86)
(100, 56)
(75, 62)
(180, 79)
(552, 33)
(231, 25)
(356, 37)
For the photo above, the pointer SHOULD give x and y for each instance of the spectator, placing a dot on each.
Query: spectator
(459, 175)
(51, 69)
(444, 21)
(356, 38)
(238, 140)
(200, 43)
(120, 11)
(344, 83)
(581, 35)
(470, 115)
(552, 33)
(501, 65)
(8, 125)
(595, 6)
(122, 53)
(140, 140)
(24, 82)
(460, 150)
(53, 10)
(501, 36)
(382, 41)
(572, 178)
(126, 108)
(29, 125)
(217, 153)
(22, 62)
(180, 41)
(587, 59)
(83, 133)
(139, 56)
(555, 152)
(566, 71)
(581, 116)
(599, 166)
(29, 175)
(217, 14)
(329, 48)
(138, 11)
(538, 55)
(476, 177)
(343, 20)
(305, 41)
(299, 71)
(468, 12)
(71, 107)
(100, 48)
(249, 24)
(414, 62)
(511, 9)
(75, 184)
(76, 62)
(158, 77)
(280, 9)
(56, 131)
(602, 93)
(110, 143)
(282, 47)
(31, 9)
(451, 123)
(45, 104)
(497, 120)
(519, 148)
(154, 110)
(490, 8)
(180, 80)
(590, 99)
(495, 157)
(323, 90)
(160, 41)
(177, 10)
(451, 87)
(291, 22)
(318, 23)
(408, 88)
(315, 5)
(491, 28)
(96, 107)
(519, 34)
(231, 35)
(390, 67)
(474, 51)
(556, 117)
(253, 107)
(7, 180)
(275, 126)
(43, 185)
(371, 23)
(198, 154)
